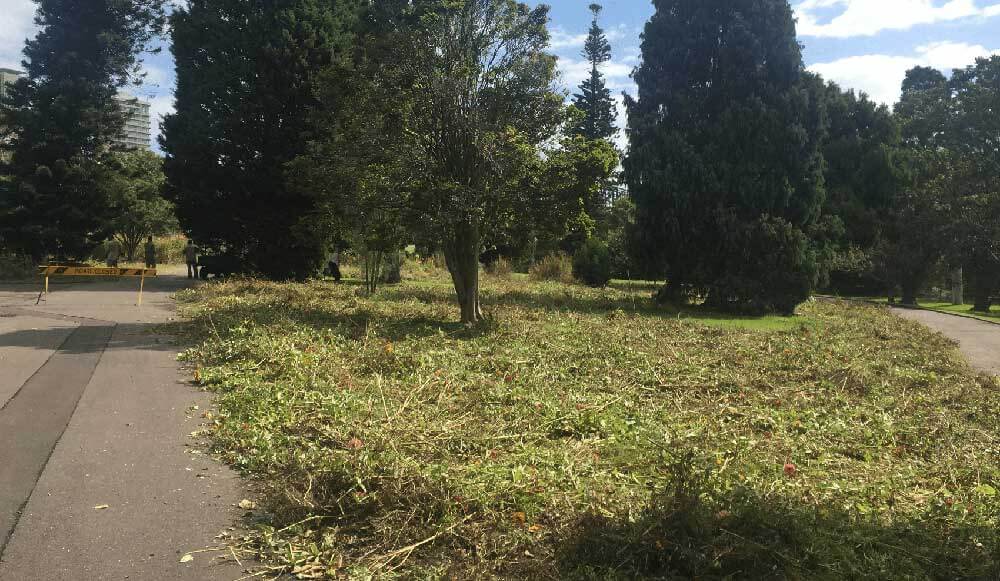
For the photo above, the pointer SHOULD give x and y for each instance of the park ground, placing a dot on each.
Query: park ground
(585, 434)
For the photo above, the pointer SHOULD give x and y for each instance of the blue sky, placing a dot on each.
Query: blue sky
(863, 44)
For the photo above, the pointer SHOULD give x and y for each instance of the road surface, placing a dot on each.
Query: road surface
(99, 477)
(978, 340)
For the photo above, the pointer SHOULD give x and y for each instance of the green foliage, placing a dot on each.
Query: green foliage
(246, 83)
(976, 176)
(451, 102)
(135, 190)
(594, 98)
(557, 267)
(768, 267)
(607, 441)
(953, 208)
(572, 183)
(592, 263)
(725, 150)
(500, 267)
(60, 120)
(863, 166)
(916, 230)
(15, 267)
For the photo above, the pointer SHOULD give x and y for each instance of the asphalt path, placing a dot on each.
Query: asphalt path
(978, 340)
(99, 475)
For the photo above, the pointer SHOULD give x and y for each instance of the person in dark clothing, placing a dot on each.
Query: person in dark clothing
(150, 253)
(191, 258)
(333, 268)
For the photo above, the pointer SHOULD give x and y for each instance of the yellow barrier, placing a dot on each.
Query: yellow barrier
(54, 270)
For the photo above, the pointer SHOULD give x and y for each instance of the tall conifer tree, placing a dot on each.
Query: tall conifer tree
(61, 117)
(594, 98)
(725, 164)
(246, 74)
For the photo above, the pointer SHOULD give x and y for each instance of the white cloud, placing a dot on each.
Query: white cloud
(881, 76)
(159, 106)
(155, 77)
(18, 25)
(575, 72)
(869, 17)
(560, 39)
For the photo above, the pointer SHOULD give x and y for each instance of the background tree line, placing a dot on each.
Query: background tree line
(309, 125)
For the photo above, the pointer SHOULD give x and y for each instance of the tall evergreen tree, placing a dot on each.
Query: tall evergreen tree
(594, 98)
(725, 164)
(450, 106)
(245, 90)
(975, 138)
(62, 117)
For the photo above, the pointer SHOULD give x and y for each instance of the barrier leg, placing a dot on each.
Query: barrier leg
(142, 283)
(46, 284)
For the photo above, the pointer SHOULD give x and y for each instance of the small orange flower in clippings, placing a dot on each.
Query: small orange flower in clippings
(389, 348)
(354, 444)
(790, 469)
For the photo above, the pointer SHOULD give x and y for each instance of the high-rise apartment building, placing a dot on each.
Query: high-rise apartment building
(8, 77)
(136, 134)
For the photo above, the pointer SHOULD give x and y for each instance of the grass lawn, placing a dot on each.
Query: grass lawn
(964, 310)
(584, 434)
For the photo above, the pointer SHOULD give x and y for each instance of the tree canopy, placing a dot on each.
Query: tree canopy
(135, 191)
(456, 99)
(61, 119)
(725, 164)
(245, 91)
(594, 98)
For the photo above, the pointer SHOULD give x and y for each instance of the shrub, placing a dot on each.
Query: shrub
(769, 267)
(170, 249)
(14, 266)
(557, 267)
(500, 267)
(592, 263)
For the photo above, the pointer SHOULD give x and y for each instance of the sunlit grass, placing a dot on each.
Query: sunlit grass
(585, 433)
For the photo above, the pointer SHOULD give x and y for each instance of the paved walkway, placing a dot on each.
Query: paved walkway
(97, 478)
(979, 340)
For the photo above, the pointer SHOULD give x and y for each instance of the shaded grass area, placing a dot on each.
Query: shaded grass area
(584, 434)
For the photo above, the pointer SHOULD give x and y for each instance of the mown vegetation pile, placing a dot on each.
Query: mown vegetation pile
(579, 433)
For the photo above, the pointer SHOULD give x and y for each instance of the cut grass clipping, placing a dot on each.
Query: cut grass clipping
(581, 434)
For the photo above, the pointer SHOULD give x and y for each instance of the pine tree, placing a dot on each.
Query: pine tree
(725, 164)
(594, 98)
(246, 74)
(62, 117)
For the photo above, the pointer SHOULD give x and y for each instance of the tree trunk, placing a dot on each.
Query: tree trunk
(461, 253)
(957, 287)
(909, 295)
(983, 301)
(983, 283)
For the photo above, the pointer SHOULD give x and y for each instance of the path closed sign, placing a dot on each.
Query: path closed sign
(94, 271)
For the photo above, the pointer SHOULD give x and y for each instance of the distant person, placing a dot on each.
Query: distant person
(333, 268)
(150, 253)
(191, 258)
(114, 254)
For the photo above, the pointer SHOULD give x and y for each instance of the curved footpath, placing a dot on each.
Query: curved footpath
(978, 340)
(97, 477)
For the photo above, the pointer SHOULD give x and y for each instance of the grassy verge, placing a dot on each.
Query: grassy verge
(583, 434)
(951, 309)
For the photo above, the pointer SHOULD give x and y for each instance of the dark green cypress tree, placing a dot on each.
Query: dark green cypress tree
(725, 164)
(61, 118)
(246, 73)
(594, 98)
